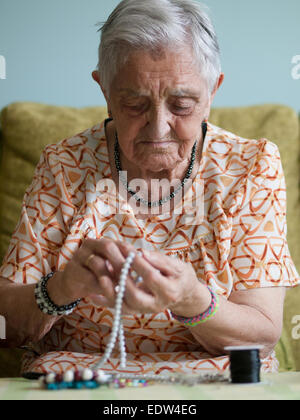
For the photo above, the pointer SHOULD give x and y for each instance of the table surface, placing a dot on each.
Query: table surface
(281, 386)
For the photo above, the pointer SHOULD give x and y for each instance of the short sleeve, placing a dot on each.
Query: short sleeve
(259, 254)
(47, 210)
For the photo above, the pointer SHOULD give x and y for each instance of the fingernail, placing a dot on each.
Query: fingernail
(109, 266)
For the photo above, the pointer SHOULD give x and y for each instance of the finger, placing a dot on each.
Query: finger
(165, 290)
(100, 301)
(135, 301)
(94, 263)
(152, 278)
(141, 301)
(125, 249)
(167, 265)
(142, 298)
(103, 302)
(107, 288)
(108, 250)
(109, 267)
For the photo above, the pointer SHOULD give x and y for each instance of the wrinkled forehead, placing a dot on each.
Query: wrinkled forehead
(175, 74)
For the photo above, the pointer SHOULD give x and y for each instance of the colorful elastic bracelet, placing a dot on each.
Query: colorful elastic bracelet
(202, 318)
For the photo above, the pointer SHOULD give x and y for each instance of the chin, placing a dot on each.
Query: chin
(157, 165)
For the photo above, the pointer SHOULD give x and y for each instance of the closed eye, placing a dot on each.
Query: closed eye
(182, 110)
(136, 108)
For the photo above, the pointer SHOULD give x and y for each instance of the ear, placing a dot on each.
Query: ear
(212, 95)
(217, 85)
(96, 77)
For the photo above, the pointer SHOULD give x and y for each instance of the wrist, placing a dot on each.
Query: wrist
(57, 290)
(198, 302)
(44, 301)
(202, 317)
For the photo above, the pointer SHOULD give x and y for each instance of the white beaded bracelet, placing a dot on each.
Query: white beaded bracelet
(45, 303)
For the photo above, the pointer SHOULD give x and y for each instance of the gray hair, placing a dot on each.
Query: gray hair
(151, 25)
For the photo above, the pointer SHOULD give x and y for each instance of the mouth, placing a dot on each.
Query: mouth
(158, 144)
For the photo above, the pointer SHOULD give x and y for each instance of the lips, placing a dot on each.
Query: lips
(158, 143)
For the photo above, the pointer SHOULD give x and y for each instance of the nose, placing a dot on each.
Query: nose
(158, 123)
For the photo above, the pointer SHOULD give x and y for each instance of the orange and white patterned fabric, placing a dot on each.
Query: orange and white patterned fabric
(239, 243)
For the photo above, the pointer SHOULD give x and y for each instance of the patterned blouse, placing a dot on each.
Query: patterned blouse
(237, 243)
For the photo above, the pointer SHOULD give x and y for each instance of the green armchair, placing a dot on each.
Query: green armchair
(26, 128)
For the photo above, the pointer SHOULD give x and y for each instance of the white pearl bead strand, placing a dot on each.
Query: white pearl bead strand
(117, 329)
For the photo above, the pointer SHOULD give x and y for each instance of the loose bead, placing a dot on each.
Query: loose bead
(50, 378)
(102, 377)
(87, 375)
(52, 387)
(91, 384)
(78, 385)
(69, 376)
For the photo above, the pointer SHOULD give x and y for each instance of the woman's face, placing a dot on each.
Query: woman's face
(158, 105)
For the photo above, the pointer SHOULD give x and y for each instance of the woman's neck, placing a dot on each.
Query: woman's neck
(158, 185)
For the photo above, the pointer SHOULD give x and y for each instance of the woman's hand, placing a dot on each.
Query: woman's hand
(95, 268)
(93, 271)
(168, 284)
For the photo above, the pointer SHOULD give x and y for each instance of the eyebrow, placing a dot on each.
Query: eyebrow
(131, 92)
(180, 93)
(185, 93)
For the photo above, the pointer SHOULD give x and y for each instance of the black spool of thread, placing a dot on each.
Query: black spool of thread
(245, 364)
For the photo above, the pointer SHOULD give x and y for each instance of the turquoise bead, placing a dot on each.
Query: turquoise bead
(78, 385)
(91, 384)
(52, 387)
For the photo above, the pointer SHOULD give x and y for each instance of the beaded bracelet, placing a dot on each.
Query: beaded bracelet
(205, 316)
(46, 305)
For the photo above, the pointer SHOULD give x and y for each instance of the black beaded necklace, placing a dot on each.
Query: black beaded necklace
(162, 201)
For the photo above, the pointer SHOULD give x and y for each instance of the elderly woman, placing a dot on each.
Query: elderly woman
(213, 274)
